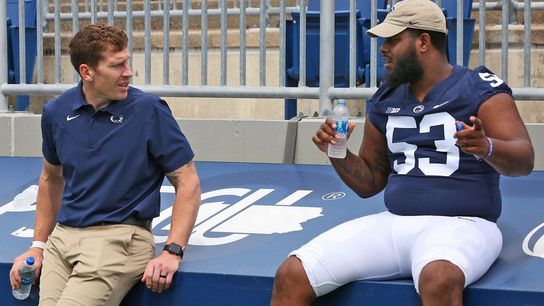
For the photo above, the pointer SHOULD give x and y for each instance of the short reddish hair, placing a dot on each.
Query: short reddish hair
(91, 41)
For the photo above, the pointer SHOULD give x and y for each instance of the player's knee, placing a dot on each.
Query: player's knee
(291, 280)
(290, 271)
(441, 278)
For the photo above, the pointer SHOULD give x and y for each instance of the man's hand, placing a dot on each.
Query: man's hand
(327, 134)
(472, 139)
(160, 271)
(14, 276)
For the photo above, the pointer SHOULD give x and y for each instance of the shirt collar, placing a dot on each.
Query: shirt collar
(79, 101)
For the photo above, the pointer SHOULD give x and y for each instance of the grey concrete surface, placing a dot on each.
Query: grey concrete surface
(257, 141)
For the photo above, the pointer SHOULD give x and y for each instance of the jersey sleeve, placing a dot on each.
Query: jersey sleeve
(487, 84)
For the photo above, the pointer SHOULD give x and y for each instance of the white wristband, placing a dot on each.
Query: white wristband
(38, 244)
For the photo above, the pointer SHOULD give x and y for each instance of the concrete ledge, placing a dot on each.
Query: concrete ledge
(227, 140)
(20, 134)
(241, 141)
(307, 152)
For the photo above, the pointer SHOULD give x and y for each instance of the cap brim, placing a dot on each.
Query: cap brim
(385, 30)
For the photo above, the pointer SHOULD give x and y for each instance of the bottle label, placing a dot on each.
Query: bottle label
(26, 281)
(342, 127)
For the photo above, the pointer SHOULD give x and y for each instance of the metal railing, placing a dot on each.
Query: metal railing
(168, 9)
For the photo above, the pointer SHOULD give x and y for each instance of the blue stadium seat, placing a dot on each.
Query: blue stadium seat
(11, 69)
(468, 30)
(364, 71)
(13, 45)
(341, 60)
(450, 10)
(12, 12)
(450, 7)
(343, 5)
(341, 48)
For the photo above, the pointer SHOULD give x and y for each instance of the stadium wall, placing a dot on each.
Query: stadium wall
(227, 140)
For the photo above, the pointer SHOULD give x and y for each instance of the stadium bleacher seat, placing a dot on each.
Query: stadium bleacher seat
(364, 71)
(11, 69)
(341, 47)
(341, 43)
(13, 45)
(468, 29)
(450, 7)
(450, 10)
(12, 7)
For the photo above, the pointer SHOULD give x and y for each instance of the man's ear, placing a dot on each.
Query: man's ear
(86, 72)
(424, 42)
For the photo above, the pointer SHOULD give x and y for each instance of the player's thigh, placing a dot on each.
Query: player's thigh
(355, 250)
(111, 261)
(470, 243)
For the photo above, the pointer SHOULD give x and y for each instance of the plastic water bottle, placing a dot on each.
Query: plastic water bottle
(340, 115)
(27, 272)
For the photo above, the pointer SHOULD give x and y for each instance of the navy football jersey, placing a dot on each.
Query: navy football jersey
(430, 174)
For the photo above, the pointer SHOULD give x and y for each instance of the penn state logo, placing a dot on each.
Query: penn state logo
(418, 108)
(116, 119)
(533, 244)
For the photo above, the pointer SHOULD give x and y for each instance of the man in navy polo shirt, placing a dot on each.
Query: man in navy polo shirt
(107, 147)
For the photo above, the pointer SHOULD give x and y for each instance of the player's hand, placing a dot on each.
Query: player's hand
(160, 271)
(472, 139)
(327, 134)
(14, 277)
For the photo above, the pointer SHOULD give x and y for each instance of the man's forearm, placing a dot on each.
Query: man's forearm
(363, 177)
(47, 207)
(186, 204)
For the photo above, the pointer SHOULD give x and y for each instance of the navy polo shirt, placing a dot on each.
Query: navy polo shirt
(113, 159)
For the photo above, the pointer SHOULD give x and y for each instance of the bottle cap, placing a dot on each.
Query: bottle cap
(30, 260)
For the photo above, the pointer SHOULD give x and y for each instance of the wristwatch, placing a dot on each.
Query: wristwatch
(174, 248)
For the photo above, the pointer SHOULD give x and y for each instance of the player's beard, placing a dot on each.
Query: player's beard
(407, 69)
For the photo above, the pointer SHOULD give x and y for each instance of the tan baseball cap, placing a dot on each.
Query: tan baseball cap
(414, 14)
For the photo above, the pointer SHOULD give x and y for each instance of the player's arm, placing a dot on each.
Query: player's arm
(366, 173)
(184, 212)
(50, 186)
(509, 147)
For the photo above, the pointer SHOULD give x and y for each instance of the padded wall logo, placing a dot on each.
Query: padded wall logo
(221, 223)
(23, 202)
(218, 222)
(533, 244)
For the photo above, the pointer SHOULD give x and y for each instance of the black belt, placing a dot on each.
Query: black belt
(132, 220)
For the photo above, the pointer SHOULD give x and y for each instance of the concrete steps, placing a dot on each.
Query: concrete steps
(175, 25)
(273, 108)
(214, 21)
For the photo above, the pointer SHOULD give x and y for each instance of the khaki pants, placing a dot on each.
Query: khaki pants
(93, 266)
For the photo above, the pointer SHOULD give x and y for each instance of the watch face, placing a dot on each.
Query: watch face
(173, 248)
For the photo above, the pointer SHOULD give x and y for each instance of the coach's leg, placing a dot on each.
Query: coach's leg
(55, 270)
(291, 285)
(441, 283)
(109, 261)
